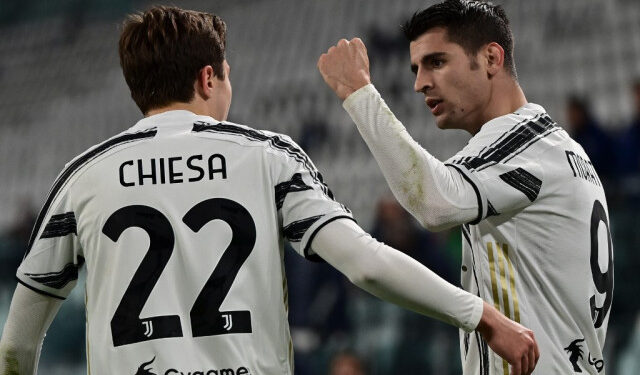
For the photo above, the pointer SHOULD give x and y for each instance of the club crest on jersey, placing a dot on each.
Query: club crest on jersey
(575, 354)
(228, 321)
(148, 328)
(143, 371)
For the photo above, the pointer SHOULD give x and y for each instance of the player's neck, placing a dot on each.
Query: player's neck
(506, 97)
(194, 106)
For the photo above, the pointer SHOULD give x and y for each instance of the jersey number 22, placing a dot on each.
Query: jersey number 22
(206, 317)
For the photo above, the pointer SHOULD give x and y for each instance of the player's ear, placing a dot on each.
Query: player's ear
(494, 54)
(204, 82)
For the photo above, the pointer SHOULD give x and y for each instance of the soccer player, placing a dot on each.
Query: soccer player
(535, 228)
(181, 219)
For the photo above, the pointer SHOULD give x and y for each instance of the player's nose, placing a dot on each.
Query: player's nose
(423, 82)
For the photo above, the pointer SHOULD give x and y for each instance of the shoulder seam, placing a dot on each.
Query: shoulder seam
(275, 141)
(513, 142)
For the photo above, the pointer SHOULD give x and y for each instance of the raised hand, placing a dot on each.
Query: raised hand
(510, 340)
(345, 67)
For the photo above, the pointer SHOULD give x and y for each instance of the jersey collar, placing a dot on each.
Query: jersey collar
(505, 122)
(179, 117)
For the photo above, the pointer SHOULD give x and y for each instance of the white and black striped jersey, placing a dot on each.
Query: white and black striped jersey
(540, 248)
(180, 222)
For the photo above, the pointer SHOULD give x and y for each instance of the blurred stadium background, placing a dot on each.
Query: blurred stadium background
(61, 91)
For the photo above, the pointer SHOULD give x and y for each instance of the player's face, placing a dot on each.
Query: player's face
(455, 85)
(222, 94)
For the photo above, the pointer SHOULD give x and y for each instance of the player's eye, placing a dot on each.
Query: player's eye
(437, 63)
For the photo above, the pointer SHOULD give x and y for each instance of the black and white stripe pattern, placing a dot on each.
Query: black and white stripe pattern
(76, 164)
(60, 226)
(295, 184)
(56, 280)
(511, 143)
(275, 141)
(296, 230)
(523, 181)
(483, 352)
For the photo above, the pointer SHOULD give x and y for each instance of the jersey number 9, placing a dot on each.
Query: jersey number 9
(603, 281)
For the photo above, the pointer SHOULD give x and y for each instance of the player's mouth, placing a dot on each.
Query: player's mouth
(435, 105)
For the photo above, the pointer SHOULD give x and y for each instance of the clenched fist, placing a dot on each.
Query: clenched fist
(345, 67)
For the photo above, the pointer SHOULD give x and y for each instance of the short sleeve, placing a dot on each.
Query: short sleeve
(51, 264)
(500, 186)
(305, 203)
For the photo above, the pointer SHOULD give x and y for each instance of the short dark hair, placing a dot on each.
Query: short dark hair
(162, 51)
(471, 24)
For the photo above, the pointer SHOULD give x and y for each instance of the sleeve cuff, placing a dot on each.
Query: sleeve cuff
(476, 314)
(374, 119)
(38, 289)
(362, 92)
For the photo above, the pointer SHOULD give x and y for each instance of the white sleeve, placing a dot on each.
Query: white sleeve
(394, 276)
(438, 196)
(29, 318)
(303, 200)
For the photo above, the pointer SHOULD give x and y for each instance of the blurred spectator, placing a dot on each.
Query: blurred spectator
(347, 363)
(585, 130)
(629, 145)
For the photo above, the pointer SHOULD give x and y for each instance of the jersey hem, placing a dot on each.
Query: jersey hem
(38, 290)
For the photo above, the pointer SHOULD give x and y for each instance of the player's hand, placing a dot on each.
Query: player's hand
(345, 67)
(510, 340)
